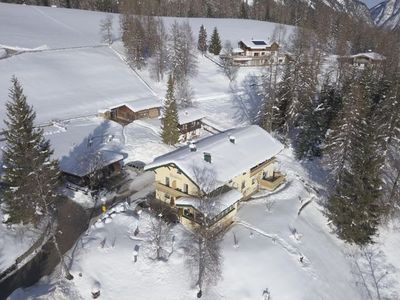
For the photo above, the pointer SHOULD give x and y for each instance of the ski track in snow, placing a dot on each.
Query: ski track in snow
(55, 20)
(123, 59)
(293, 252)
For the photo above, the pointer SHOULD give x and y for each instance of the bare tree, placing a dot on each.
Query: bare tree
(373, 274)
(184, 93)
(160, 60)
(205, 257)
(229, 69)
(160, 237)
(106, 28)
(182, 51)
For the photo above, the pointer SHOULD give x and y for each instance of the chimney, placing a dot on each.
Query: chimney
(232, 139)
(207, 157)
(192, 147)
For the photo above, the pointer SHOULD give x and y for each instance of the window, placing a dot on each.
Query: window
(243, 185)
(188, 213)
(185, 188)
(256, 54)
(253, 181)
(167, 181)
(179, 172)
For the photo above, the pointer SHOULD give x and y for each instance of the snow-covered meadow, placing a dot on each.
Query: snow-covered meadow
(272, 235)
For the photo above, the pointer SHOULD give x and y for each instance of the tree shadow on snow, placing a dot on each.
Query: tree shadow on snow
(247, 97)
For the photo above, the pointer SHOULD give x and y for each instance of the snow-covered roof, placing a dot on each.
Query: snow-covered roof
(255, 44)
(189, 115)
(218, 203)
(237, 50)
(76, 142)
(370, 55)
(86, 164)
(252, 146)
(140, 104)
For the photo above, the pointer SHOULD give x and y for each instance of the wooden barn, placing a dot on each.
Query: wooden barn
(102, 164)
(128, 112)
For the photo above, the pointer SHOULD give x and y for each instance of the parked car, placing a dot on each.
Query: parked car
(137, 165)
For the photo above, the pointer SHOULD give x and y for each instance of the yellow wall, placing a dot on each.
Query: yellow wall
(251, 183)
(176, 181)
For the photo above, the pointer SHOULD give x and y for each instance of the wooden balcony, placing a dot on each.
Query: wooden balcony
(272, 183)
(261, 166)
(169, 190)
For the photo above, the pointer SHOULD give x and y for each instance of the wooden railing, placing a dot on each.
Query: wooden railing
(169, 190)
(261, 166)
(273, 182)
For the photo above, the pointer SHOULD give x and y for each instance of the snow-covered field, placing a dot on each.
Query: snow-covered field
(46, 27)
(71, 83)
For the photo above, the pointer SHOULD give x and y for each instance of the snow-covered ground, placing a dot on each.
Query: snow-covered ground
(271, 239)
(71, 83)
(74, 82)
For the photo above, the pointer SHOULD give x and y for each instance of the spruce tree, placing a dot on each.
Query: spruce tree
(30, 175)
(330, 103)
(202, 41)
(283, 98)
(170, 131)
(215, 43)
(354, 207)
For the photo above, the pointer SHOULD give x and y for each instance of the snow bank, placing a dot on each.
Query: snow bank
(3, 53)
(14, 241)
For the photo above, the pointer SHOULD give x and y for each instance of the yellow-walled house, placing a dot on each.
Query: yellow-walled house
(206, 180)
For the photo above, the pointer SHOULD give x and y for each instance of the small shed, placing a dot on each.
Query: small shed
(128, 112)
(102, 164)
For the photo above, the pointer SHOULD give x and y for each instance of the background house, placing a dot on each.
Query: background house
(190, 123)
(363, 59)
(254, 53)
(227, 167)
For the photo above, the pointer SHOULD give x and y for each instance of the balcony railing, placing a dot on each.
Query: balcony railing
(261, 166)
(272, 183)
(169, 190)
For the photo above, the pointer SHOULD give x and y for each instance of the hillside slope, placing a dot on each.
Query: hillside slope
(387, 14)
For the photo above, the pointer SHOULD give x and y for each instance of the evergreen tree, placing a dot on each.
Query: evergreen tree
(30, 175)
(202, 41)
(354, 207)
(339, 140)
(283, 98)
(330, 103)
(243, 14)
(170, 131)
(215, 43)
